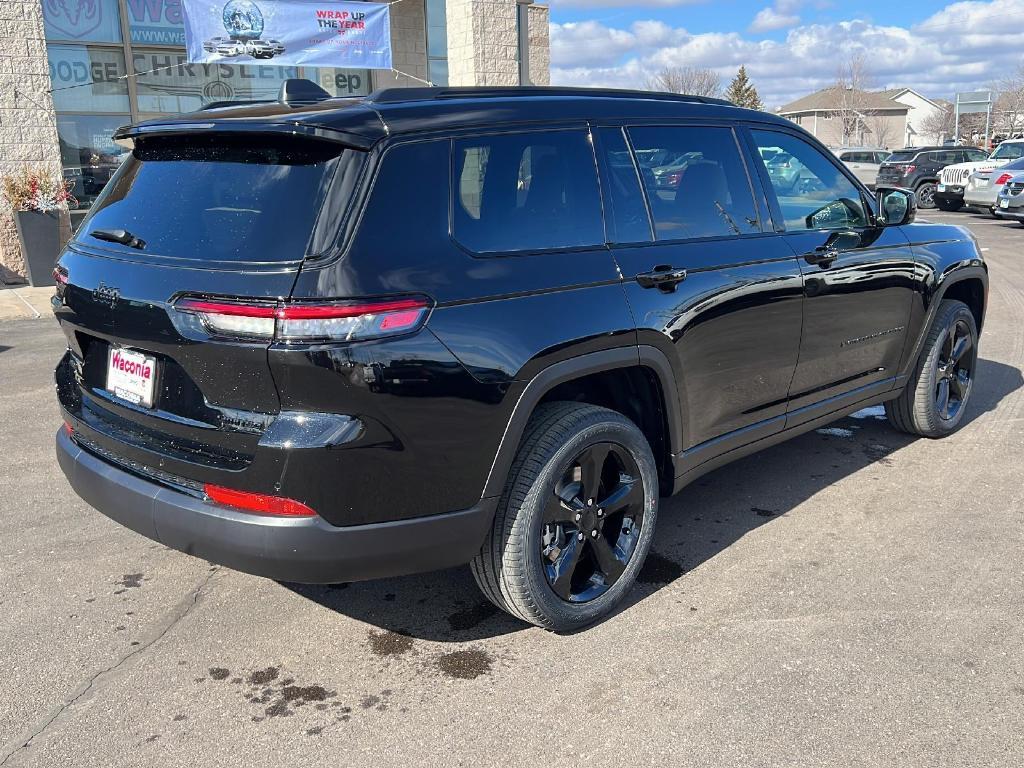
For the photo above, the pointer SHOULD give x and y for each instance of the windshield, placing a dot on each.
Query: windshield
(1008, 151)
(216, 198)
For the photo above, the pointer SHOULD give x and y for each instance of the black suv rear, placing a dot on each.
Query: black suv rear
(337, 339)
(918, 168)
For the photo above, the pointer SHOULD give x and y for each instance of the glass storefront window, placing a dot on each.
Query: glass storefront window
(87, 78)
(185, 87)
(88, 154)
(90, 21)
(340, 82)
(156, 22)
(437, 71)
(437, 29)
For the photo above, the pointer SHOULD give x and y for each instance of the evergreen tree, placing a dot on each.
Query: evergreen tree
(742, 92)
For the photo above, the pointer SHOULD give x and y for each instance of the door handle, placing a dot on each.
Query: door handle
(822, 256)
(663, 277)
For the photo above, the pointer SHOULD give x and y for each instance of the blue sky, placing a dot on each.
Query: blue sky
(790, 47)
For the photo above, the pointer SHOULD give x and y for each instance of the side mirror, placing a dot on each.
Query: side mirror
(896, 206)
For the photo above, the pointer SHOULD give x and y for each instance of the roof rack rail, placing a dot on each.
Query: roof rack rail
(396, 95)
(235, 103)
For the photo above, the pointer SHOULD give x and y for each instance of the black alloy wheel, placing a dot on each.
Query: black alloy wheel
(592, 523)
(926, 195)
(954, 371)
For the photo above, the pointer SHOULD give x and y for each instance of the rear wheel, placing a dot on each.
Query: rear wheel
(935, 399)
(576, 519)
(926, 195)
(948, 205)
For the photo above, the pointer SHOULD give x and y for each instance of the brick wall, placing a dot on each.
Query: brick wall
(540, 46)
(28, 134)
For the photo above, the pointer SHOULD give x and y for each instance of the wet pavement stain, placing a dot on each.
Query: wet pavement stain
(387, 643)
(263, 676)
(466, 665)
(658, 569)
(760, 512)
(130, 581)
(219, 673)
(467, 618)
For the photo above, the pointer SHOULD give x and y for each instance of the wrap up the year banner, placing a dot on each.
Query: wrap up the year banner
(305, 33)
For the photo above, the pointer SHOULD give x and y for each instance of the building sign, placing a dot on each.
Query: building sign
(156, 22)
(92, 21)
(290, 32)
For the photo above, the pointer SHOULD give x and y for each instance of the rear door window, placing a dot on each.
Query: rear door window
(696, 182)
(526, 192)
(218, 198)
(625, 210)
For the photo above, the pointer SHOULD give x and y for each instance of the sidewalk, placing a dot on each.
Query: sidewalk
(23, 302)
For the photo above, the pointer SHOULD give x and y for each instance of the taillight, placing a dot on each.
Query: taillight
(1003, 179)
(260, 503)
(60, 275)
(908, 169)
(321, 321)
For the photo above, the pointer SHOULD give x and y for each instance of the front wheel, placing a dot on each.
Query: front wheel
(935, 399)
(575, 521)
(926, 195)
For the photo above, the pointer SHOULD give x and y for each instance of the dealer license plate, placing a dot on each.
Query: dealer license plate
(130, 375)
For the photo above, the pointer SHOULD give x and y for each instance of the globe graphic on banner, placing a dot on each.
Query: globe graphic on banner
(242, 19)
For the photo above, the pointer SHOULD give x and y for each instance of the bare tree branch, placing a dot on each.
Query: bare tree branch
(692, 81)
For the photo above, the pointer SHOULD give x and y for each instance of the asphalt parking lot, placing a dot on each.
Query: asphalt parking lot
(853, 597)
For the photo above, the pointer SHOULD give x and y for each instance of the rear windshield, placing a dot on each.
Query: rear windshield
(900, 157)
(1016, 165)
(217, 199)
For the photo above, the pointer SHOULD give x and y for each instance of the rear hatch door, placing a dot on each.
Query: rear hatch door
(215, 218)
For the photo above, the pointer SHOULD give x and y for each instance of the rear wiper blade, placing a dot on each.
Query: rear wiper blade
(122, 236)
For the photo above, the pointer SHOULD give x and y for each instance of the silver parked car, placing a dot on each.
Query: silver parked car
(984, 185)
(863, 161)
(1010, 201)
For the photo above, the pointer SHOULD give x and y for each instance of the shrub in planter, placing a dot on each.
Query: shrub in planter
(38, 197)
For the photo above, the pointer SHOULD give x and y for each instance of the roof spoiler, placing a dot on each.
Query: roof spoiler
(298, 91)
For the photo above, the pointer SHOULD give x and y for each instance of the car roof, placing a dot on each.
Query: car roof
(364, 120)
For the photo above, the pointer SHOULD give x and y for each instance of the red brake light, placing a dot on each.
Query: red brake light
(909, 169)
(257, 502)
(1004, 178)
(321, 321)
(60, 275)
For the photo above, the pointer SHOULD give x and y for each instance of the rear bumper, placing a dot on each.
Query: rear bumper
(983, 198)
(308, 550)
(1012, 214)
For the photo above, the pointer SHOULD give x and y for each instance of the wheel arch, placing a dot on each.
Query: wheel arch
(631, 380)
(968, 284)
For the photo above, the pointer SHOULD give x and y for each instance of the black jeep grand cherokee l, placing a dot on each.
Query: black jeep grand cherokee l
(351, 338)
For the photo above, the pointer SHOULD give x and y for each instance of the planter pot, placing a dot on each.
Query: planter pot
(40, 238)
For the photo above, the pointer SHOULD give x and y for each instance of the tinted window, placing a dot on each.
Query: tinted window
(1015, 165)
(696, 182)
(901, 157)
(625, 211)
(812, 192)
(880, 157)
(944, 158)
(858, 157)
(526, 191)
(218, 199)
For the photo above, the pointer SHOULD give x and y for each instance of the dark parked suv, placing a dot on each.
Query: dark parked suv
(918, 168)
(324, 340)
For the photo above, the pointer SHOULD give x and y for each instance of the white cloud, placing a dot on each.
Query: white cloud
(963, 46)
(769, 19)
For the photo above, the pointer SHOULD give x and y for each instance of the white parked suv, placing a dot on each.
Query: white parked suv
(956, 186)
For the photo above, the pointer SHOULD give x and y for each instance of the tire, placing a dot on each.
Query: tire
(948, 205)
(926, 195)
(518, 565)
(919, 409)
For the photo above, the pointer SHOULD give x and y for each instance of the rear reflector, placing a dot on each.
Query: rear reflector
(68, 429)
(257, 502)
(326, 321)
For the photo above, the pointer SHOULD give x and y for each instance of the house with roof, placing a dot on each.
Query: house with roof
(845, 117)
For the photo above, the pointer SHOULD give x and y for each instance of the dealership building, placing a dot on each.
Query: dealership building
(72, 71)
